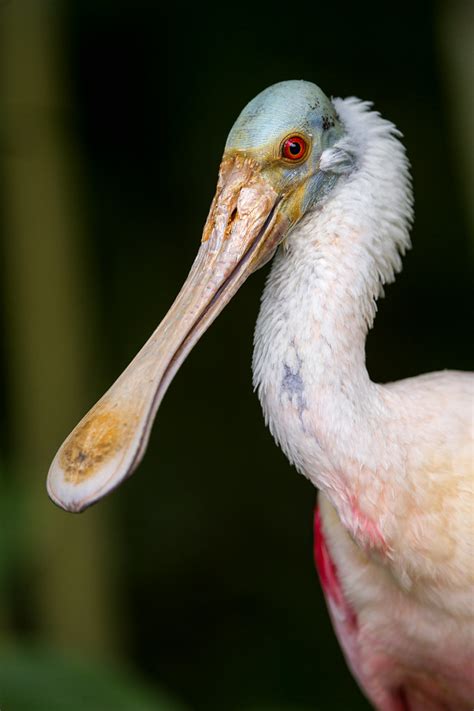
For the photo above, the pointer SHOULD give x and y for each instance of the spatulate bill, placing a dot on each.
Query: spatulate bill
(242, 231)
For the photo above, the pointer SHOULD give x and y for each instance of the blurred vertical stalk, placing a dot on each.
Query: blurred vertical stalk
(49, 327)
(456, 35)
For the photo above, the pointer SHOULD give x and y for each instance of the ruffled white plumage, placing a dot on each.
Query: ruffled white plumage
(396, 460)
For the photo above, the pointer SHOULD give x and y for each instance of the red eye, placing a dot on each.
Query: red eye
(294, 148)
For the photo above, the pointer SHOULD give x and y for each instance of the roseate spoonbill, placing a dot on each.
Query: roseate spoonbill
(327, 184)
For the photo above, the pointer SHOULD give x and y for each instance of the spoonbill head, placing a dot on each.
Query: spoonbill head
(281, 160)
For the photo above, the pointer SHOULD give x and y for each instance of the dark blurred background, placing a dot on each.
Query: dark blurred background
(192, 586)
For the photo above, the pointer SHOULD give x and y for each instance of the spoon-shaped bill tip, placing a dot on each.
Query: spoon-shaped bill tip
(242, 231)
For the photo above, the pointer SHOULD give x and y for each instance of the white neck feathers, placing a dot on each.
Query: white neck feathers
(371, 211)
(320, 300)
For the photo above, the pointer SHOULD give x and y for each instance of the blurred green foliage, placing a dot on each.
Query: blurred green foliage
(36, 679)
(12, 545)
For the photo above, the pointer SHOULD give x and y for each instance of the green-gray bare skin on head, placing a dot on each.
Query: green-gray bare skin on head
(278, 112)
(289, 106)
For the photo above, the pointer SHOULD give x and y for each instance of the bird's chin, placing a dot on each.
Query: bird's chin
(243, 229)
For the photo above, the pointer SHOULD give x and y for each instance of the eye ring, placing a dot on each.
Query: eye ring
(294, 148)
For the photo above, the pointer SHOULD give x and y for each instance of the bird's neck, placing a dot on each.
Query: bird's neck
(319, 302)
(309, 356)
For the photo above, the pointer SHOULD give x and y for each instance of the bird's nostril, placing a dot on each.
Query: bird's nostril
(230, 221)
